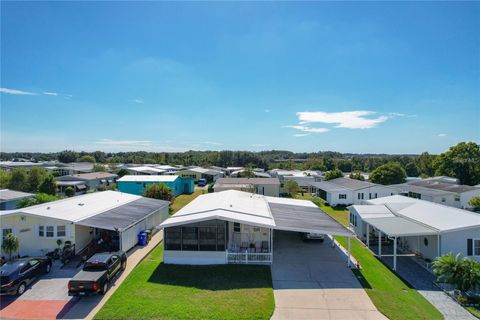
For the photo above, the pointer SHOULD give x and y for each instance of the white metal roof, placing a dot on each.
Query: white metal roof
(400, 227)
(79, 207)
(146, 169)
(435, 215)
(373, 211)
(229, 205)
(7, 195)
(148, 178)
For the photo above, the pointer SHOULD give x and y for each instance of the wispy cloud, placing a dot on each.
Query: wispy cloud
(301, 134)
(442, 134)
(17, 92)
(212, 143)
(136, 143)
(267, 110)
(308, 129)
(346, 119)
(138, 100)
(50, 93)
(259, 145)
(396, 114)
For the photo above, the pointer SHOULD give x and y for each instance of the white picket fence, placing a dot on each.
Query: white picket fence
(248, 258)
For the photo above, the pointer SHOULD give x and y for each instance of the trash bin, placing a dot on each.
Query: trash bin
(149, 235)
(142, 239)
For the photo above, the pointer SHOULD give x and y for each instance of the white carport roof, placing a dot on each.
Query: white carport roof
(400, 227)
(258, 210)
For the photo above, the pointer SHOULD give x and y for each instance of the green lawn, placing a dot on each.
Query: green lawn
(475, 311)
(392, 296)
(157, 291)
(183, 199)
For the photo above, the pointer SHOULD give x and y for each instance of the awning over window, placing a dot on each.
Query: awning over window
(400, 227)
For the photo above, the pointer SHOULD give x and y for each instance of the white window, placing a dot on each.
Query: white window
(457, 198)
(360, 196)
(50, 231)
(476, 247)
(342, 196)
(41, 231)
(444, 199)
(61, 231)
(236, 227)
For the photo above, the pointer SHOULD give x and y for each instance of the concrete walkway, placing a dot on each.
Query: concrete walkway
(87, 307)
(311, 281)
(422, 280)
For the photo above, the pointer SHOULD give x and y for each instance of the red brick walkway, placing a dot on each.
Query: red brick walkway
(36, 309)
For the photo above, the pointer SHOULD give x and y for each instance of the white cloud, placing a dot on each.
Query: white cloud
(346, 119)
(212, 143)
(259, 145)
(267, 110)
(308, 129)
(301, 134)
(50, 93)
(137, 143)
(16, 92)
(442, 134)
(139, 101)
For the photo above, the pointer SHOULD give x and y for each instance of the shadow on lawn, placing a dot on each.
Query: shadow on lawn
(218, 277)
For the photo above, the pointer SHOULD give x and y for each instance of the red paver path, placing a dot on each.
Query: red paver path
(36, 309)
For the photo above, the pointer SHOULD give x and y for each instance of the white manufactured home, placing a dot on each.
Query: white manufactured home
(423, 228)
(346, 191)
(238, 227)
(82, 220)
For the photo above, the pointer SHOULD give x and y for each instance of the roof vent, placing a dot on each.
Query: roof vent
(231, 206)
(48, 208)
(81, 204)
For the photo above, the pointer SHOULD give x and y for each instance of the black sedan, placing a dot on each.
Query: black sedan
(16, 275)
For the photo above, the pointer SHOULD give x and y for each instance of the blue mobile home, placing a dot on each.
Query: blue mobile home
(138, 184)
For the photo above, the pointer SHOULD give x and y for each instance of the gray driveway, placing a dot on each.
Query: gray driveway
(422, 280)
(311, 280)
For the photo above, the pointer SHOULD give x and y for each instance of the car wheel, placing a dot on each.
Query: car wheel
(124, 265)
(105, 287)
(47, 269)
(21, 288)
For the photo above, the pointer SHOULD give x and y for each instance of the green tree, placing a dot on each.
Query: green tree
(463, 273)
(4, 179)
(86, 158)
(99, 168)
(69, 192)
(18, 180)
(411, 169)
(100, 156)
(49, 185)
(247, 173)
(67, 156)
(159, 191)
(389, 173)
(357, 176)
(333, 174)
(475, 203)
(36, 199)
(10, 244)
(461, 161)
(36, 176)
(122, 172)
(424, 164)
(292, 187)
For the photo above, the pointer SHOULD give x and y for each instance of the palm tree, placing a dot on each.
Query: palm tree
(448, 268)
(10, 244)
(471, 275)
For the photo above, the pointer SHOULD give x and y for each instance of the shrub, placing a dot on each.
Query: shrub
(69, 192)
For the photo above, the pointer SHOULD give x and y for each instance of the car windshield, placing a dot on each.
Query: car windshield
(10, 267)
(89, 266)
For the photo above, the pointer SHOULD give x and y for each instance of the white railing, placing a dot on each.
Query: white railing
(248, 258)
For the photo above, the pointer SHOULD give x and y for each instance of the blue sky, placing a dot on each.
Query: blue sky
(349, 77)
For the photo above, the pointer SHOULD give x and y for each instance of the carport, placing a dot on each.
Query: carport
(307, 219)
(130, 219)
(394, 227)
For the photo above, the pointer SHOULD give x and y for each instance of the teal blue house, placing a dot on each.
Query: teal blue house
(139, 183)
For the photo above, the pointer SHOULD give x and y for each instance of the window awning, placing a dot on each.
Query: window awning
(400, 227)
(81, 186)
(306, 219)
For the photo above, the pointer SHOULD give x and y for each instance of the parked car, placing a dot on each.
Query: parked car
(313, 236)
(16, 275)
(202, 182)
(97, 273)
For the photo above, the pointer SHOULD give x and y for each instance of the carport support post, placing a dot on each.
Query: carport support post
(348, 262)
(368, 235)
(379, 243)
(395, 254)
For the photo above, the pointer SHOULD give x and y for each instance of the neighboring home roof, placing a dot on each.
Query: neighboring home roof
(340, 184)
(146, 170)
(256, 173)
(77, 166)
(150, 178)
(247, 181)
(257, 210)
(296, 173)
(87, 176)
(20, 164)
(201, 170)
(433, 215)
(442, 186)
(81, 207)
(8, 195)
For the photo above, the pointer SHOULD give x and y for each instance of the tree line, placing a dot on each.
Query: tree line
(461, 161)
